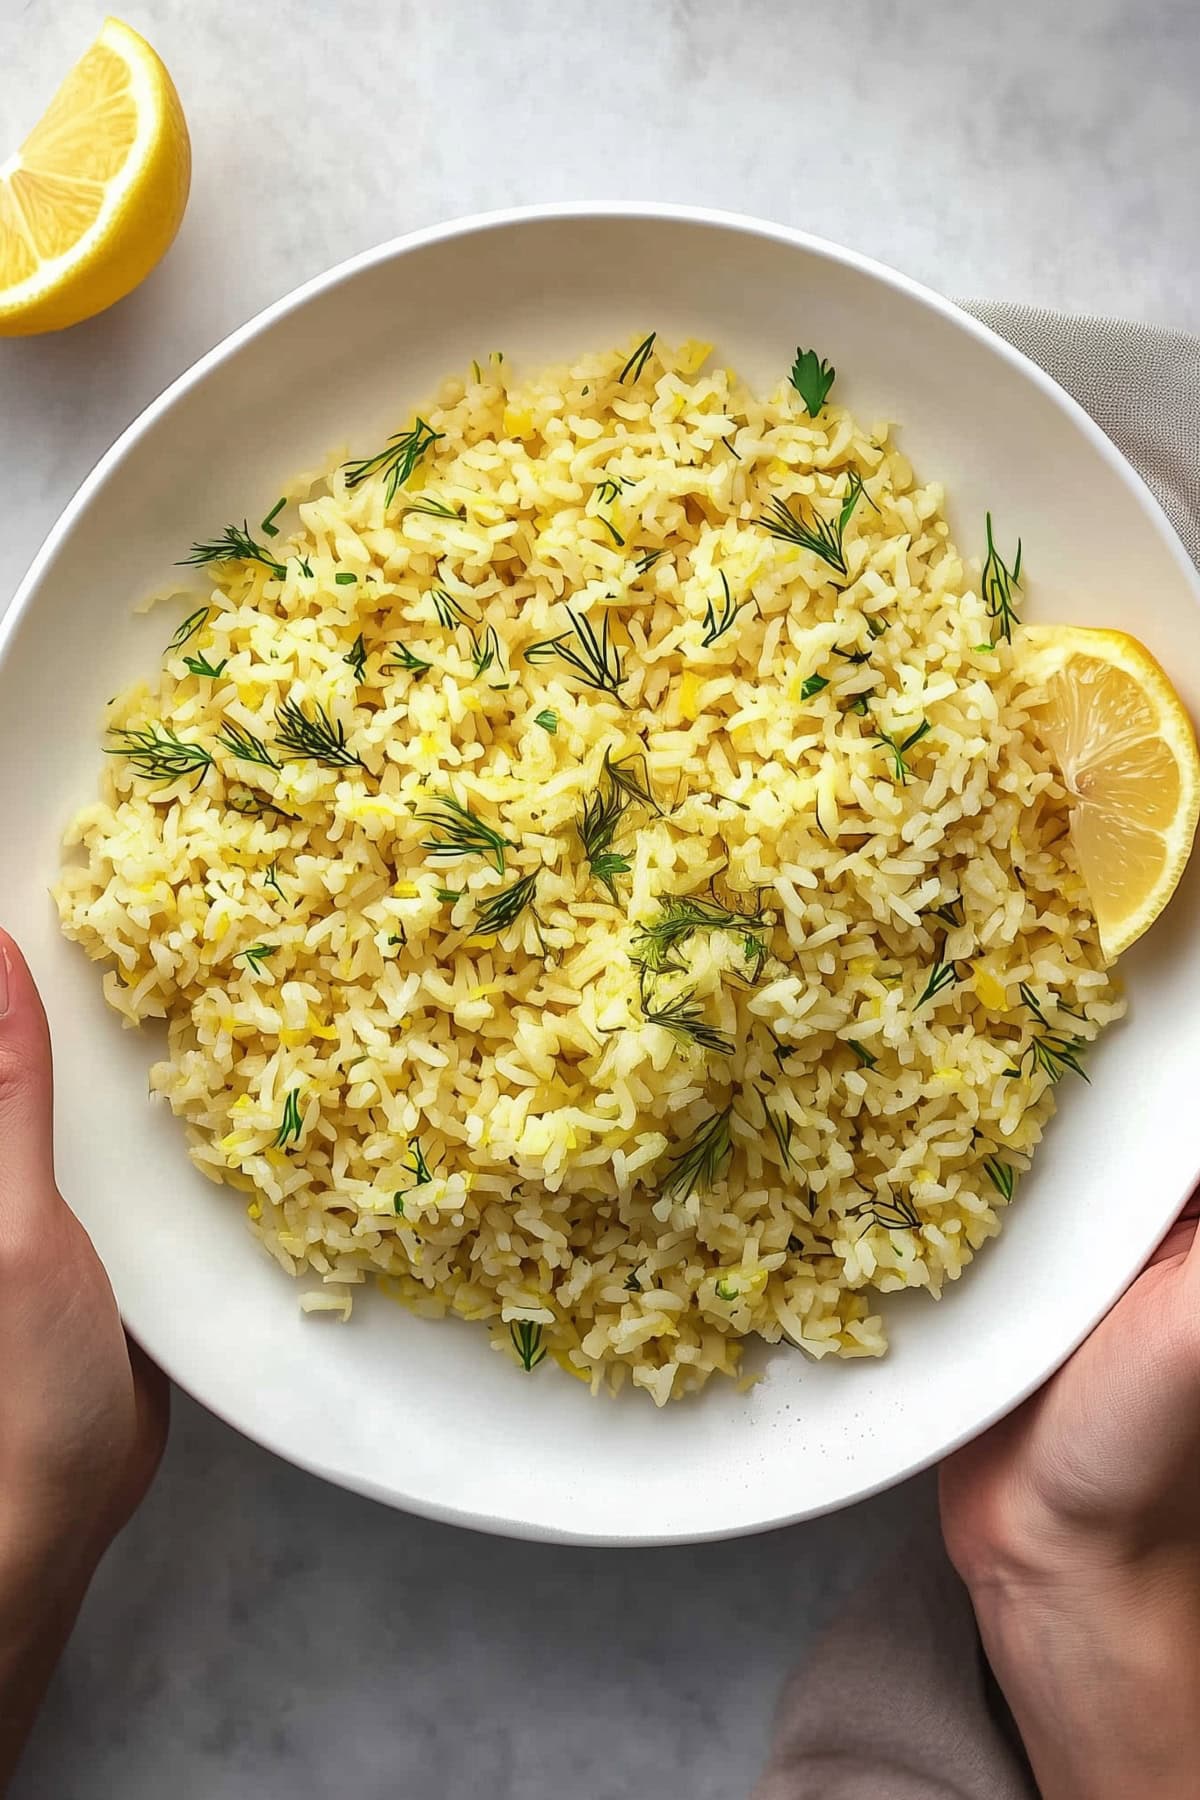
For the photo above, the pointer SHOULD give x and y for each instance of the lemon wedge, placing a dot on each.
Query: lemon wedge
(94, 196)
(1127, 754)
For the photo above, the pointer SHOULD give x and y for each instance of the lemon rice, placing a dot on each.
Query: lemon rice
(585, 905)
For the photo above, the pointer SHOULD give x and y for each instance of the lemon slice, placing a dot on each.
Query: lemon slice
(94, 196)
(1127, 755)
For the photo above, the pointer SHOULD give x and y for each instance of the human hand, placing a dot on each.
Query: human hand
(1076, 1525)
(83, 1413)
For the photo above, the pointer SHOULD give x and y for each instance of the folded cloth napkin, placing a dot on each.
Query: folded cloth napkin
(896, 1701)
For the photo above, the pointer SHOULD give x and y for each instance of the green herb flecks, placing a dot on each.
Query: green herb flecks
(291, 1124)
(548, 721)
(684, 1018)
(866, 1057)
(244, 745)
(257, 955)
(356, 657)
(593, 656)
(451, 613)
(656, 944)
(527, 1342)
(408, 660)
(271, 879)
(416, 1164)
(487, 654)
(191, 625)
(448, 896)
(611, 529)
(608, 490)
(159, 754)
(950, 912)
(499, 911)
(344, 578)
(435, 509)
(646, 562)
(397, 461)
(898, 748)
(1002, 1176)
(630, 776)
(635, 367)
(200, 665)
(717, 623)
(782, 1128)
(812, 684)
(602, 812)
(820, 535)
(463, 833)
(892, 1213)
(234, 545)
(941, 975)
(632, 1283)
(700, 1160)
(318, 738)
(268, 526)
(1051, 1050)
(997, 586)
(812, 378)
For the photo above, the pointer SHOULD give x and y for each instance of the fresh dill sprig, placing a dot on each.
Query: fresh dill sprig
(244, 745)
(356, 656)
(252, 804)
(950, 912)
(499, 911)
(608, 490)
(866, 1057)
(487, 654)
(684, 1018)
(448, 896)
(597, 827)
(404, 658)
(257, 955)
(318, 739)
(463, 833)
(855, 491)
(941, 975)
(200, 665)
(1050, 1050)
(291, 1125)
(527, 1342)
(548, 721)
(271, 878)
(234, 545)
(812, 684)
(782, 1129)
(700, 1160)
(857, 657)
(647, 561)
(611, 529)
(268, 526)
(435, 509)
(397, 461)
(997, 586)
(812, 378)
(191, 625)
(417, 1166)
(630, 776)
(594, 657)
(451, 613)
(160, 754)
(1002, 1176)
(892, 1213)
(637, 362)
(716, 624)
(897, 748)
(823, 536)
(656, 944)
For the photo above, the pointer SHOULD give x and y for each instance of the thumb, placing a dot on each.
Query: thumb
(26, 1090)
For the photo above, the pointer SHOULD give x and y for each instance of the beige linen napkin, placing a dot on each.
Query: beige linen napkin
(896, 1701)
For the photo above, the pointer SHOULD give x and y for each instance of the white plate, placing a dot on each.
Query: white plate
(423, 1414)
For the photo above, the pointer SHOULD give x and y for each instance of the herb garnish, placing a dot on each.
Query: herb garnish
(892, 1214)
(450, 612)
(200, 665)
(1050, 1050)
(624, 776)
(782, 1129)
(268, 526)
(356, 656)
(941, 975)
(597, 661)
(244, 745)
(823, 536)
(812, 684)
(684, 1019)
(897, 749)
(344, 578)
(271, 878)
(501, 910)
(484, 655)
(160, 754)
(716, 624)
(408, 660)
(191, 625)
(463, 833)
(700, 1160)
(865, 1056)
(404, 451)
(234, 546)
(291, 1124)
(647, 561)
(597, 827)
(950, 912)
(1002, 1176)
(257, 955)
(637, 362)
(435, 509)
(655, 944)
(812, 378)
(527, 1342)
(548, 721)
(997, 587)
(319, 739)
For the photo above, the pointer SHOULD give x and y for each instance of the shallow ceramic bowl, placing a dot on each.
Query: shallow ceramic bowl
(422, 1414)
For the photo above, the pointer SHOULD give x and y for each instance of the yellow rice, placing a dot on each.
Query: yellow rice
(519, 1069)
